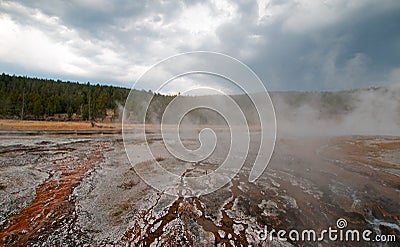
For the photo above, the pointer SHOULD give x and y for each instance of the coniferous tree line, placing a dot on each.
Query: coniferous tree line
(23, 97)
(33, 98)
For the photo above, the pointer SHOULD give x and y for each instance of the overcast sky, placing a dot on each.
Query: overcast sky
(291, 45)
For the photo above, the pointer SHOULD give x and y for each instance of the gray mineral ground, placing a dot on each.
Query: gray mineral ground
(82, 190)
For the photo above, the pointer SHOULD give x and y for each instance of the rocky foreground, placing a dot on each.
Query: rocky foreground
(83, 191)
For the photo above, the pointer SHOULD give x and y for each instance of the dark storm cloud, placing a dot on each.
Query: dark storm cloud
(357, 50)
(307, 45)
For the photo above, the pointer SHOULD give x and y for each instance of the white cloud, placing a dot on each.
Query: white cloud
(116, 42)
(61, 51)
(41, 51)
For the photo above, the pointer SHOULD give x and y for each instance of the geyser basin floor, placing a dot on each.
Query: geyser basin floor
(84, 191)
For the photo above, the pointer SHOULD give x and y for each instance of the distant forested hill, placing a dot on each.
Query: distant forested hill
(33, 98)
